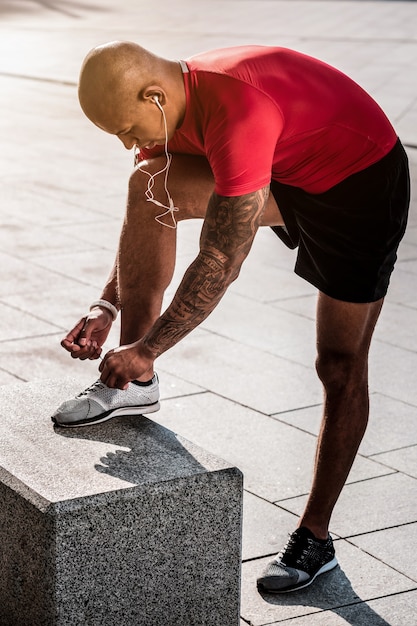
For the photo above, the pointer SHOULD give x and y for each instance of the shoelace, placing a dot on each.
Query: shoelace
(93, 388)
(293, 551)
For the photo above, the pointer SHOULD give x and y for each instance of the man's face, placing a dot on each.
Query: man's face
(135, 122)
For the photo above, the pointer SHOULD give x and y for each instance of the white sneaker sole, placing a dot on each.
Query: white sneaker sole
(104, 417)
(325, 568)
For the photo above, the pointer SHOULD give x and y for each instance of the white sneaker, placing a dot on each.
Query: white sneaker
(99, 403)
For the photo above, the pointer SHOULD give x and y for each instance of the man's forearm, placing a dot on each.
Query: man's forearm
(227, 236)
(202, 288)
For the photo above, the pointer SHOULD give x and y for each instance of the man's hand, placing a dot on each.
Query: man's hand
(86, 339)
(123, 364)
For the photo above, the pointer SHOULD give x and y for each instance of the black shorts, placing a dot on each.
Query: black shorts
(348, 237)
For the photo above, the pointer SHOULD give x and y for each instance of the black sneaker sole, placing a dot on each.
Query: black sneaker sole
(325, 568)
(107, 415)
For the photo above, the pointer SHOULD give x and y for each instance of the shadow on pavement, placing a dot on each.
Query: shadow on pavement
(331, 592)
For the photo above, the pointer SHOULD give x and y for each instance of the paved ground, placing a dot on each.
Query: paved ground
(243, 385)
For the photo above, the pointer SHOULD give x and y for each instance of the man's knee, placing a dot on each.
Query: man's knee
(342, 370)
(189, 183)
(148, 197)
(344, 332)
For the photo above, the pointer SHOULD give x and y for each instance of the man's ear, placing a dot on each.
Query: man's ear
(154, 94)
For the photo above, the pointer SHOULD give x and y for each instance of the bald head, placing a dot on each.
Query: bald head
(115, 73)
(132, 93)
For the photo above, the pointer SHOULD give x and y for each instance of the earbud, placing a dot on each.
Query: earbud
(158, 104)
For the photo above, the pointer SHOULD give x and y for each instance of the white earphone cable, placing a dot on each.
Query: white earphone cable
(170, 207)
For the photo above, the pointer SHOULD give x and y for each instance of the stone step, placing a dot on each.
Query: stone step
(123, 522)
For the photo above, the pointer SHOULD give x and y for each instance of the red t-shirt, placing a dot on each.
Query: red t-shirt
(258, 113)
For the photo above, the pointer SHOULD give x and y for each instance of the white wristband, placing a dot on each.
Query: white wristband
(106, 305)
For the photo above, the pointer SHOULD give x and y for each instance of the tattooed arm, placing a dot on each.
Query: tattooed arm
(226, 238)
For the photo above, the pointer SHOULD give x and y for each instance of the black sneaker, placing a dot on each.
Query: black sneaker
(302, 560)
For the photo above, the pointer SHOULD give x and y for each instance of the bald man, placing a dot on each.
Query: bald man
(242, 138)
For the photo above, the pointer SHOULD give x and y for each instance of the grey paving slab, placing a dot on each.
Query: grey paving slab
(40, 207)
(21, 276)
(24, 240)
(267, 249)
(59, 305)
(104, 234)
(265, 527)
(410, 266)
(268, 283)
(42, 64)
(174, 387)
(391, 425)
(370, 505)
(90, 267)
(408, 250)
(92, 203)
(410, 238)
(8, 379)
(239, 435)
(275, 331)
(401, 287)
(43, 357)
(188, 234)
(403, 460)
(17, 324)
(305, 306)
(406, 126)
(390, 371)
(246, 375)
(62, 173)
(359, 577)
(412, 217)
(393, 546)
(399, 610)
(394, 610)
(276, 460)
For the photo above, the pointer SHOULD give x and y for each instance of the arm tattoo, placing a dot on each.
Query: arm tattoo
(226, 238)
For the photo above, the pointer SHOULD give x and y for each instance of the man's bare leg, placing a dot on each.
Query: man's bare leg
(344, 332)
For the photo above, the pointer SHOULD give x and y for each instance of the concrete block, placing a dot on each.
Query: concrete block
(119, 523)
